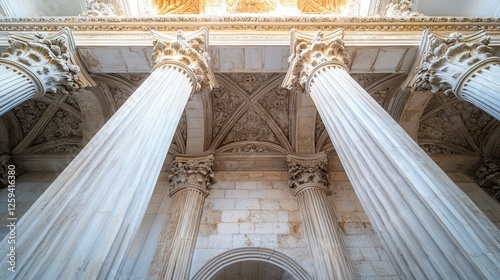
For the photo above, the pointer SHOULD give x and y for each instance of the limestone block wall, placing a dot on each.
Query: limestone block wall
(253, 208)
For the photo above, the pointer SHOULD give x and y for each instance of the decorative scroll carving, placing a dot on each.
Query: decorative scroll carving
(50, 58)
(401, 8)
(305, 171)
(308, 52)
(445, 59)
(433, 149)
(276, 102)
(179, 7)
(251, 6)
(250, 127)
(189, 171)
(250, 148)
(439, 129)
(224, 105)
(103, 8)
(474, 119)
(321, 6)
(488, 177)
(189, 50)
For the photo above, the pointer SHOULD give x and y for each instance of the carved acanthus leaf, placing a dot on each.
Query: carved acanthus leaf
(304, 170)
(224, 104)
(308, 51)
(62, 126)
(191, 172)
(250, 127)
(488, 177)
(49, 58)
(401, 8)
(28, 113)
(250, 148)
(191, 51)
(444, 60)
(276, 102)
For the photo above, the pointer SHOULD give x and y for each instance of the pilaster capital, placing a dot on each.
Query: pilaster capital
(50, 59)
(310, 52)
(191, 172)
(444, 61)
(307, 171)
(189, 51)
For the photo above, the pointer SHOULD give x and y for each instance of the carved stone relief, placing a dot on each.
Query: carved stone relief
(250, 81)
(71, 101)
(119, 95)
(438, 128)
(63, 125)
(250, 127)
(307, 170)
(191, 172)
(28, 113)
(224, 105)
(182, 128)
(250, 148)
(488, 177)
(103, 8)
(276, 102)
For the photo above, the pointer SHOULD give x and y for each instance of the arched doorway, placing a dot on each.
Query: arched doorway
(251, 263)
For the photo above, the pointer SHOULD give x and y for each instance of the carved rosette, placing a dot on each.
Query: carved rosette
(307, 171)
(191, 172)
(444, 61)
(50, 59)
(188, 51)
(309, 53)
(488, 177)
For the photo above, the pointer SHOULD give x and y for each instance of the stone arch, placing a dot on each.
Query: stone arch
(251, 254)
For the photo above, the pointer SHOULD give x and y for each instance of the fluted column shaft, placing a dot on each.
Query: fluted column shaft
(189, 182)
(37, 64)
(481, 86)
(430, 227)
(428, 224)
(326, 246)
(88, 216)
(15, 87)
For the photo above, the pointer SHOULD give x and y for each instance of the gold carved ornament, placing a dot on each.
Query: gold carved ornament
(321, 6)
(179, 6)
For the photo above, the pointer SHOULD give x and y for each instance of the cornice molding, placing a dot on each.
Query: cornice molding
(249, 22)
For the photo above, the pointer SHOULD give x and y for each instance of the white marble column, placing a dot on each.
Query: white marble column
(189, 182)
(38, 64)
(308, 175)
(81, 227)
(460, 64)
(430, 227)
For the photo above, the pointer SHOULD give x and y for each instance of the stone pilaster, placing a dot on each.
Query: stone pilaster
(190, 179)
(38, 64)
(430, 227)
(88, 216)
(488, 177)
(458, 64)
(308, 176)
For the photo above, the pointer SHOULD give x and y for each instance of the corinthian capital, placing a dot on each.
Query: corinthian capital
(443, 61)
(309, 52)
(191, 172)
(190, 51)
(49, 58)
(306, 171)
